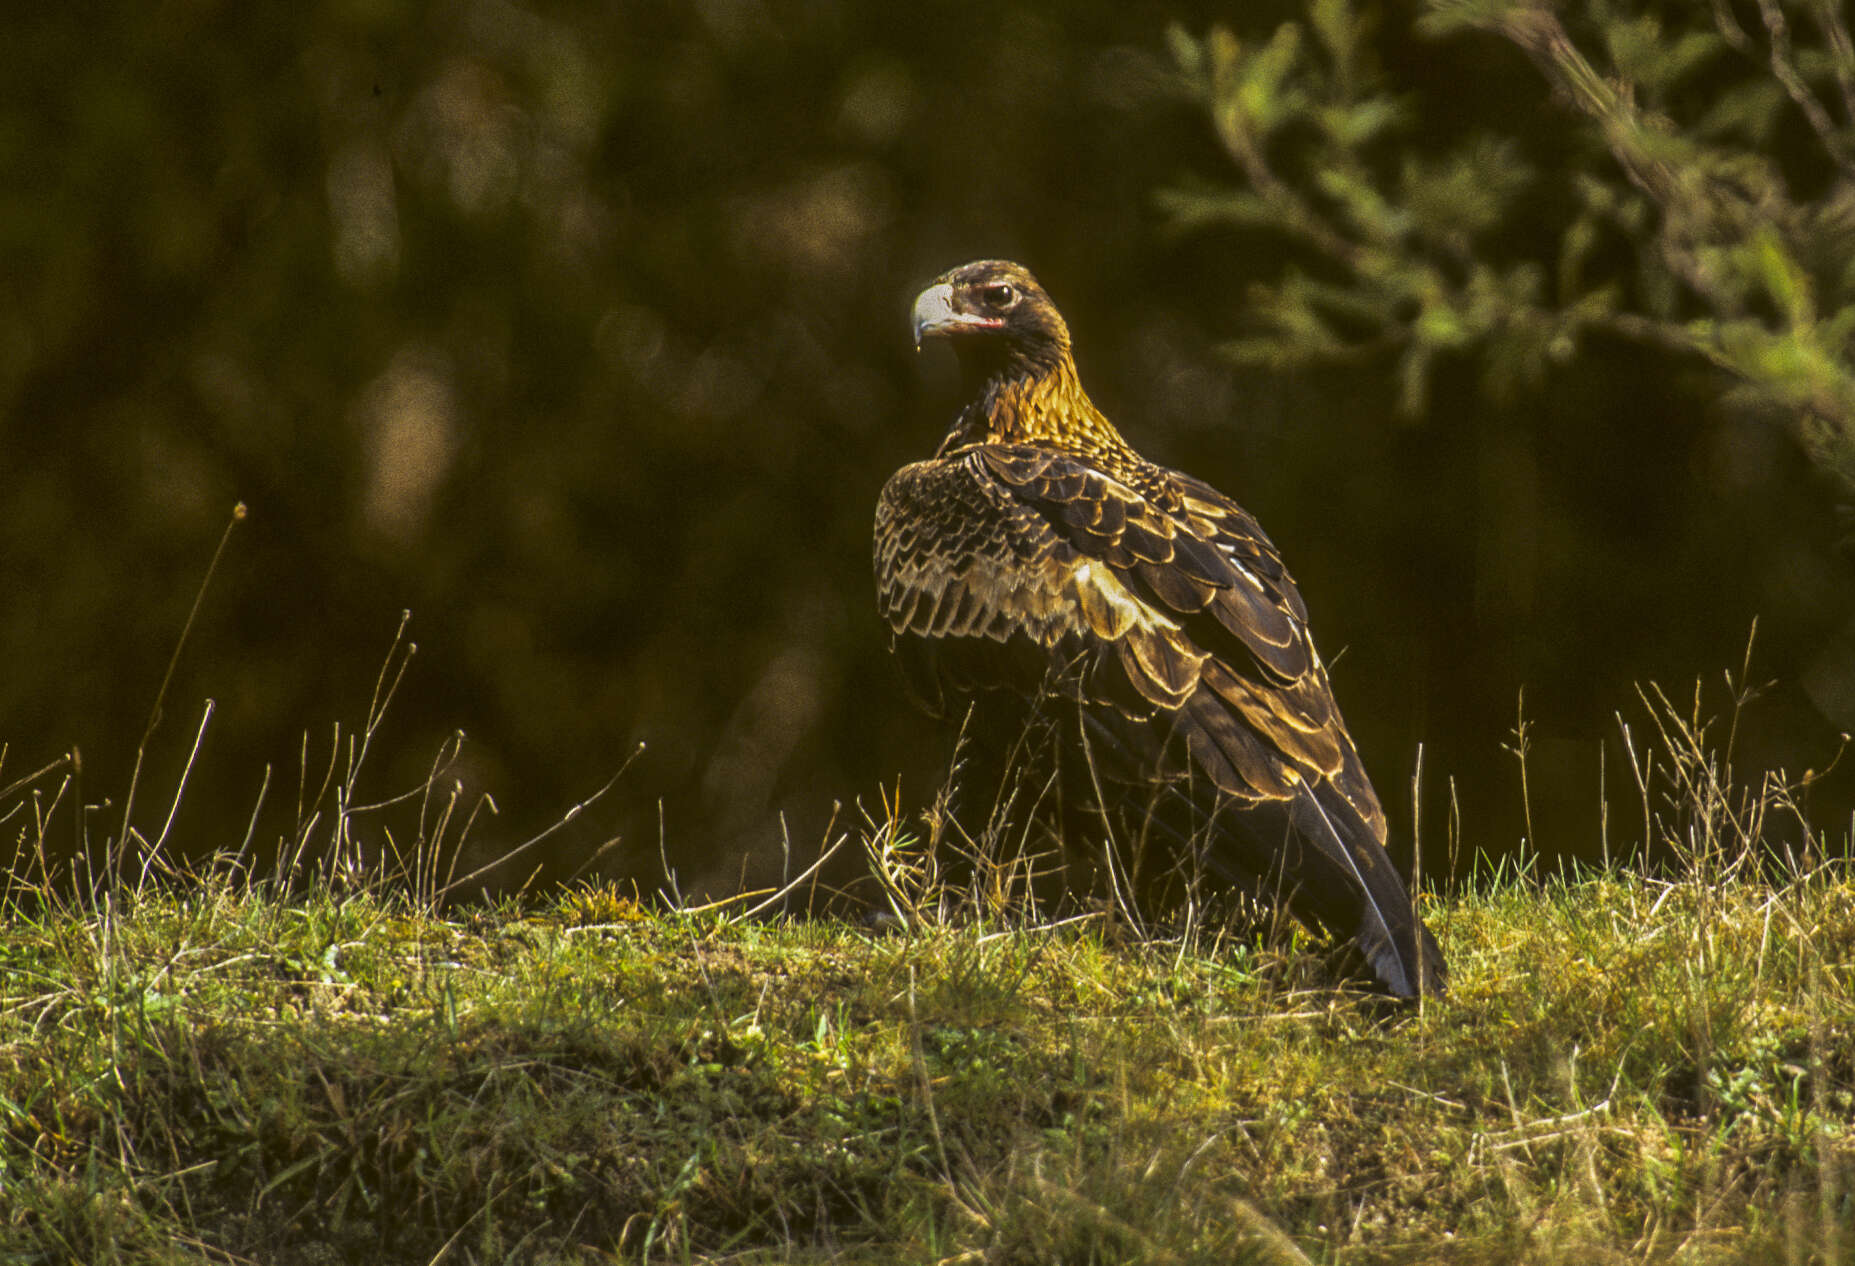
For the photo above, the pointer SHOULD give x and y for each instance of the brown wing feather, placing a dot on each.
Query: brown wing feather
(1160, 598)
(1177, 591)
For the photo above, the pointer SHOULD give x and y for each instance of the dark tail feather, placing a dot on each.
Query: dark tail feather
(1314, 853)
(1379, 920)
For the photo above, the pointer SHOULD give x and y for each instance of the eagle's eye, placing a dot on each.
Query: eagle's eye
(998, 296)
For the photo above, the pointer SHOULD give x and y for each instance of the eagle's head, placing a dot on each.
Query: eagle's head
(996, 316)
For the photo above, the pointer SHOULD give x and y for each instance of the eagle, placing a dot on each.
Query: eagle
(1127, 653)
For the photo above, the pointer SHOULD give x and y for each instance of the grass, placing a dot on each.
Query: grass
(1626, 1070)
(222, 1066)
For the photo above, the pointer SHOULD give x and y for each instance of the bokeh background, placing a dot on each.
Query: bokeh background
(580, 331)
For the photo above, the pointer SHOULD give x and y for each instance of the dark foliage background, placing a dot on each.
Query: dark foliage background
(580, 331)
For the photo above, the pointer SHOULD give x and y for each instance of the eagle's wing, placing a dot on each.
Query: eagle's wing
(1174, 616)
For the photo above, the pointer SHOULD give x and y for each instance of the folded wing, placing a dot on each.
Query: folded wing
(1161, 607)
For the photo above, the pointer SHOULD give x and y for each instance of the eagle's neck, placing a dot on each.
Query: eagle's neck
(1036, 403)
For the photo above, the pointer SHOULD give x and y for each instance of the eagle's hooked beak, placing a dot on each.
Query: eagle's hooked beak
(934, 315)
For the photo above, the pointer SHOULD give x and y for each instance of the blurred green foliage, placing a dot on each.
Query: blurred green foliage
(580, 332)
(1708, 182)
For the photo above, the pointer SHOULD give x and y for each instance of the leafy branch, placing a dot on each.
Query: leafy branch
(1415, 253)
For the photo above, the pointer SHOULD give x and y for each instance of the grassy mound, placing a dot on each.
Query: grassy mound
(1625, 1070)
(212, 1067)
